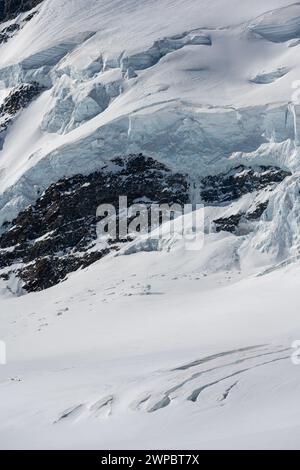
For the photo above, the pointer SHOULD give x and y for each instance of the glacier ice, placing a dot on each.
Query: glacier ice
(181, 347)
(265, 78)
(161, 48)
(277, 236)
(279, 25)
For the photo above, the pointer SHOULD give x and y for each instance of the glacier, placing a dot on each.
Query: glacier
(207, 93)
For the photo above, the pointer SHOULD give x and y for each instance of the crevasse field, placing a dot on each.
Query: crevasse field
(156, 346)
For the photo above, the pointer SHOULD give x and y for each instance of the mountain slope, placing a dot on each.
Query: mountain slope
(162, 101)
(203, 93)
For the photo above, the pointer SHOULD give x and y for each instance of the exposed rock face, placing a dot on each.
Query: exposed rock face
(232, 224)
(57, 231)
(58, 234)
(18, 99)
(11, 8)
(235, 184)
(8, 32)
(48, 271)
(239, 181)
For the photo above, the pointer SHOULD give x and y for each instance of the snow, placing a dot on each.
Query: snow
(180, 348)
(104, 355)
(277, 235)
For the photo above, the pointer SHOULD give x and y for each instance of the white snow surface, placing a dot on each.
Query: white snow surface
(146, 351)
(158, 347)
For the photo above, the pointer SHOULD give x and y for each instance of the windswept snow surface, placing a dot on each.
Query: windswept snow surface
(145, 351)
(157, 347)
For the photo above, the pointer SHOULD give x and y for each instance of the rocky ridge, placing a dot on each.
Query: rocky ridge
(11, 8)
(18, 99)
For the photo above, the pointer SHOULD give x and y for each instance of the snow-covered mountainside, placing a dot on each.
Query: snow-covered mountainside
(165, 102)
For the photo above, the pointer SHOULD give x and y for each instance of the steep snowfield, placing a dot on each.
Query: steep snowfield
(157, 347)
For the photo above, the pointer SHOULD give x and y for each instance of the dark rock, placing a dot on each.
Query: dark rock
(4, 37)
(11, 8)
(239, 181)
(8, 32)
(11, 28)
(19, 98)
(231, 224)
(228, 224)
(260, 209)
(30, 16)
(48, 271)
(55, 233)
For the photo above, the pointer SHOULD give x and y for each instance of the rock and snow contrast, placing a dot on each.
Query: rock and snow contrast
(135, 343)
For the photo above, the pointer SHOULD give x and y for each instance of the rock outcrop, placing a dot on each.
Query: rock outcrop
(58, 234)
(19, 98)
(11, 8)
(239, 181)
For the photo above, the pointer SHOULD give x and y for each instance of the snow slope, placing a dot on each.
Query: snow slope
(158, 347)
(193, 362)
